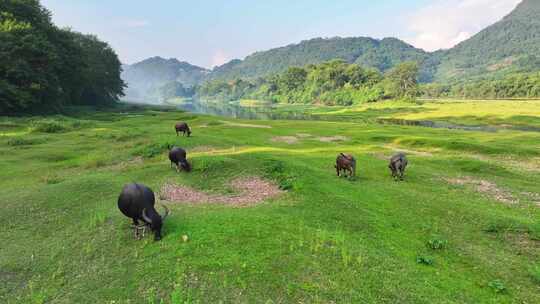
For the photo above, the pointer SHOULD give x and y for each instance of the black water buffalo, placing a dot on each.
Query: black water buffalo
(177, 156)
(397, 165)
(137, 202)
(346, 162)
(182, 127)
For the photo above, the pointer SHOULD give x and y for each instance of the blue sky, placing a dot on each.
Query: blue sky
(211, 32)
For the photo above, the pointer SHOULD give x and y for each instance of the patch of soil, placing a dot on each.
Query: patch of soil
(286, 139)
(523, 243)
(250, 191)
(243, 125)
(332, 138)
(485, 187)
(530, 165)
(303, 135)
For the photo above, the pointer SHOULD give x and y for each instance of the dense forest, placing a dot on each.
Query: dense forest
(45, 67)
(518, 85)
(498, 62)
(334, 82)
(379, 54)
(506, 47)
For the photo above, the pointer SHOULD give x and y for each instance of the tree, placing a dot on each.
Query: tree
(403, 80)
(42, 66)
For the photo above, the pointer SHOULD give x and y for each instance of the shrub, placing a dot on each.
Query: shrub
(19, 141)
(50, 126)
(436, 244)
(275, 169)
(497, 286)
(425, 260)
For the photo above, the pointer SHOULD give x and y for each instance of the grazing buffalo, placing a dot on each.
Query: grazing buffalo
(346, 162)
(397, 165)
(137, 202)
(182, 127)
(177, 156)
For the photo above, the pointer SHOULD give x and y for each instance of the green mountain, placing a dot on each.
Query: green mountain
(506, 47)
(512, 44)
(381, 54)
(147, 78)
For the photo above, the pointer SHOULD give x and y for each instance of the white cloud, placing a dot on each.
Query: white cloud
(219, 58)
(445, 23)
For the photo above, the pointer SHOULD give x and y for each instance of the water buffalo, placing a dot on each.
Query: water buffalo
(137, 202)
(182, 127)
(177, 156)
(346, 162)
(397, 165)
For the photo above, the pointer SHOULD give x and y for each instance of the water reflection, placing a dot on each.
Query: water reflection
(236, 110)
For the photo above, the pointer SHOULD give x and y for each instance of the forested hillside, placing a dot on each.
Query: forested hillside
(333, 82)
(498, 60)
(369, 52)
(149, 79)
(44, 67)
(510, 45)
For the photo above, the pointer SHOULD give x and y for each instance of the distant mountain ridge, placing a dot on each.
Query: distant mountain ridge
(381, 54)
(145, 78)
(511, 44)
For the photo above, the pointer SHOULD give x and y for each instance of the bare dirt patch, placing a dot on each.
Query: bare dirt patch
(286, 139)
(332, 138)
(250, 191)
(303, 135)
(523, 243)
(485, 187)
(244, 125)
(529, 165)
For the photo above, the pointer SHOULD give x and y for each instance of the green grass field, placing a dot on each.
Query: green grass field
(464, 226)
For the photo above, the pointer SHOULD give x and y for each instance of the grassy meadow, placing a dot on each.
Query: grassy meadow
(464, 226)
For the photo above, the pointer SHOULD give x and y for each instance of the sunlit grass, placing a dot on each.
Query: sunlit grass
(328, 239)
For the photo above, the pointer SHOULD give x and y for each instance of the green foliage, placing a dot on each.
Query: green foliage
(401, 81)
(515, 85)
(377, 54)
(276, 170)
(21, 141)
(425, 260)
(497, 286)
(507, 46)
(437, 244)
(331, 83)
(44, 67)
(510, 45)
(50, 126)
